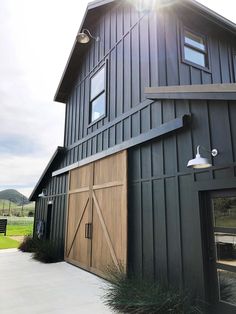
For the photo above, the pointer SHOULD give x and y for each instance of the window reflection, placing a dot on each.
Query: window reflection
(98, 107)
(194, 40)
(97, 95)
(194, 56)
(224, 212)
(227, 286)
(195, 49)
(97, 83)
(226, 248)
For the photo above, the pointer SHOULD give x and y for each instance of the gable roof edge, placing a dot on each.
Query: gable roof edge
(62, 91)
(58, 151)
(212, 15)
(60, 97)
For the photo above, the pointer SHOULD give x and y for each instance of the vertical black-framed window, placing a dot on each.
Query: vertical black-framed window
(195, 49)
(98, 95)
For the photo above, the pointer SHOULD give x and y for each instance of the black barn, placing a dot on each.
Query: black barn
(152, 84)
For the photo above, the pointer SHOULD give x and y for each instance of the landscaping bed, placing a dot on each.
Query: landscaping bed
(133, 295)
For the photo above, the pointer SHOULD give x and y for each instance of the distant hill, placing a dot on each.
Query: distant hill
(13, 196)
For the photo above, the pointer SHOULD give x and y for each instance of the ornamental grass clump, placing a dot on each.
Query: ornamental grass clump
(43, 250)
(29, 244)
(130, 295)
(47, 252)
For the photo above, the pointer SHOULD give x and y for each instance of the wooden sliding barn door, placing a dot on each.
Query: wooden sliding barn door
(97, 215)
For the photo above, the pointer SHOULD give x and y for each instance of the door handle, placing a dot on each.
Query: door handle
(88, 231)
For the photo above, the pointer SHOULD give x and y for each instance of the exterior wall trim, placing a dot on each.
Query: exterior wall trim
(207, 91)
(114, 122)
(211, 185)
(164, 129)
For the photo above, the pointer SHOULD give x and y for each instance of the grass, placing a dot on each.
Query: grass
(16, 226)
(225, 221)
(43, 251)
(7, 243)
(19, 225)
(131, 295)
(29, 244)
(13, 230)
(46, 252)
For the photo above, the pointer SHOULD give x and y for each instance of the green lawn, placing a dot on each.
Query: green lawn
(19, 225)
(225, 221)
(7, 243)
(13, 230)
(16, 226)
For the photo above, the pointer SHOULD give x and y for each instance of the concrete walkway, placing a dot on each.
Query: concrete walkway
(30, 287)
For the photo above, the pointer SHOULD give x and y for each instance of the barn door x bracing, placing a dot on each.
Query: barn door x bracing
(97, 215)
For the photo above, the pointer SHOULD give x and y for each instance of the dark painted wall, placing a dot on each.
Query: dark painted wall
(164, 213)
(57, 194)
(141, 50)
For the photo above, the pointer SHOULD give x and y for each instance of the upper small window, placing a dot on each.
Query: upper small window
(97, 95)
(195, 49)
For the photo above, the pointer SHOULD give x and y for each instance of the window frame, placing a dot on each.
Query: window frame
(234, 64)
(91, 100)
(204, 52)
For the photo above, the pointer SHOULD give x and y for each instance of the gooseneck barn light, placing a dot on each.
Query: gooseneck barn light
(84, 36)
(200, 162)
(43, 193)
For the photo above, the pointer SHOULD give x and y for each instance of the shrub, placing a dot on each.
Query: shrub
(138, 296)
(43, 251)
(29, 244)
(46, 252)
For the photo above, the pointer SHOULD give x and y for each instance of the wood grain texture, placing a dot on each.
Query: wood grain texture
(98, 195)
(207, 91)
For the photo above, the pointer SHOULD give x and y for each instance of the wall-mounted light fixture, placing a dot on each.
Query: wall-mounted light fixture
(43, 193)
(200, 162)
(84, 38)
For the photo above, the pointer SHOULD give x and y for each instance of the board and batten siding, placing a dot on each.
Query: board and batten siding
(164, 211)
(57, 194)
(143, 50)
(140, 50)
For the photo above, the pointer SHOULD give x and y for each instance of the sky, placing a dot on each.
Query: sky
(36, 37)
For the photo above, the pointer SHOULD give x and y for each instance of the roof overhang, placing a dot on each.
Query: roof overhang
(74, 60)
(90, 16)
(210, 15)
(47, 172)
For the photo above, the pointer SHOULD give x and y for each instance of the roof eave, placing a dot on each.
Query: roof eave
(62, 90)
(59, 95)
(211, 15)
(34, 193)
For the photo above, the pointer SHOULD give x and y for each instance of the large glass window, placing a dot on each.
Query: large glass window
(224, 227)
(195, 49)
(97, 95)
